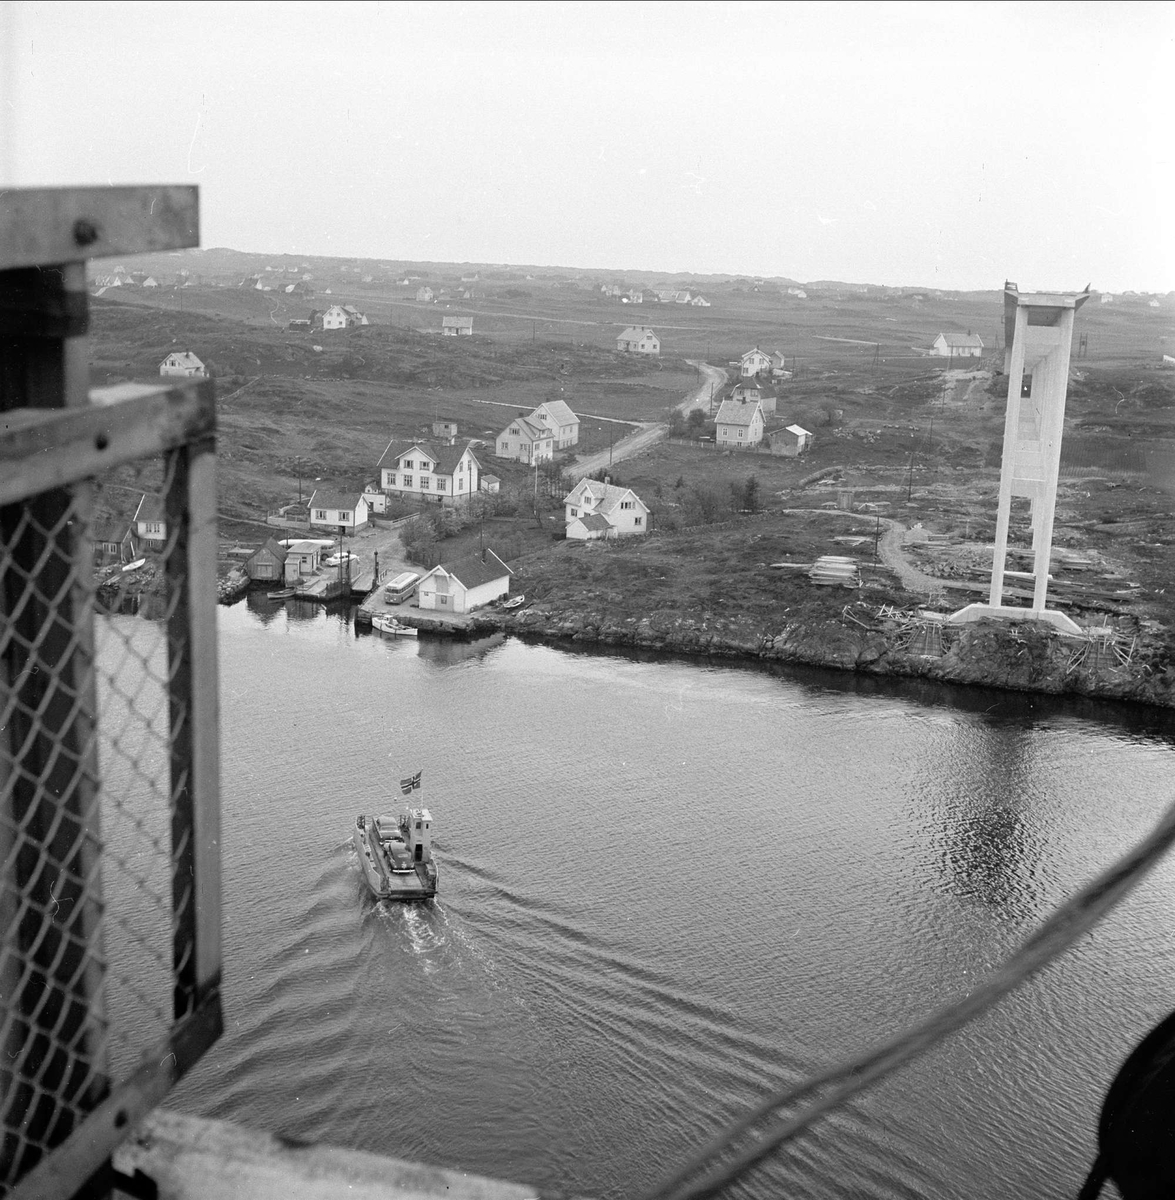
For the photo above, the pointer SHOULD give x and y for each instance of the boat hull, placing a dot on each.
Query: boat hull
(385, 883)
(392, 627)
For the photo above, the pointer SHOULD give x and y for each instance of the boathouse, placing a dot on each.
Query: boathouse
(462, 586)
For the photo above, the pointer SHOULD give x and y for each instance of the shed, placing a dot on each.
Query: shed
(267, 562)
(462, 586)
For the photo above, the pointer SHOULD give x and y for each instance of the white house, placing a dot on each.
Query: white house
(303, 557)
(491, 485)
(186, 365)
(798, 293)
(424, 295)
(526, 440)
(639, 339)
(448, 475)
(445, 429)
(739, 426)
(958, 345)
(377, 501)
(793, 440)
(700, 302)
(560, 420)
(779, 365)
(457, 326)
(150, 521)
(342, 316)
(462, 586)
(753, 362)
(601, 510)
(339, 510)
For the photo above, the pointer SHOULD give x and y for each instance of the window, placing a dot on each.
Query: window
(443, 599)
(441, 485)
(514, 430)
(626, 504)
(575, 512)
(638, 521)
(461, 465)
(407, 480)
(344, 516)
(320, 514)
(424, 483)
(406, 465)
(740, 433)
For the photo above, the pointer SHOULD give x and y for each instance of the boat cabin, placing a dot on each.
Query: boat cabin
(418, 834)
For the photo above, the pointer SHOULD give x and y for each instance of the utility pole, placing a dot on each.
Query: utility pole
(910, 479)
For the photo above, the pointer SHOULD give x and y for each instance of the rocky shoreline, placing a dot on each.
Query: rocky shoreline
(1021, 656)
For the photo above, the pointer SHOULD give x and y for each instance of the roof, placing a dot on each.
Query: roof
(752, 352)
(607, 496)
(530, 427)
(456, 322)
(558, 411)
(971, 340)
(150, 508)
(798, 430)
(449, 456)
(594, 521)
(109, 529)
(323, 498)
(735, 412)
(279, 552)
(634, 333)
(184, 359)
(472, 571)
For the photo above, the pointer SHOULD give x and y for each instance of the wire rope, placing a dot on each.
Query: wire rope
(1075, 917)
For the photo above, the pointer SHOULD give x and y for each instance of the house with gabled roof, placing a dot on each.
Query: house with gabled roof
(182, 364)
(424, 295)
(639, 339)
(460, 587)
(267, 562)
(526, 440)
(344, 512)
(457, 326)
(113, 539)
(151, 521)
(700, 301)
(738, 426)
(958, 345)
(421, 471)
(560, 420)
(595, 510)
(754, 361)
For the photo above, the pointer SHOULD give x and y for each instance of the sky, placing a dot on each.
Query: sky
(950, 145)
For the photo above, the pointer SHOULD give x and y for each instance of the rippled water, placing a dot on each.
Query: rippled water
(666, 886)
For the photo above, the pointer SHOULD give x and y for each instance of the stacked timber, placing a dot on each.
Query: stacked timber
(831, 569)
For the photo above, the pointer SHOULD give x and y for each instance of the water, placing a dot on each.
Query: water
(665, 887)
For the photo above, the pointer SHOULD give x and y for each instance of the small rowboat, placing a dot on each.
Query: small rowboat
(284, 594)
(514, 602)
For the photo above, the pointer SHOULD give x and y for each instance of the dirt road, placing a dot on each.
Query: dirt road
(652, 432)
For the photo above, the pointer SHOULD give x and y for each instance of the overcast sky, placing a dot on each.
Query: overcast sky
(951, 145)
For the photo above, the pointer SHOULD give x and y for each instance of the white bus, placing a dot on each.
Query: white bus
(397, 590)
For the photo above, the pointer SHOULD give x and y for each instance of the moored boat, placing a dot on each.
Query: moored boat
(395, 855)
(281, 594)
(385, 624)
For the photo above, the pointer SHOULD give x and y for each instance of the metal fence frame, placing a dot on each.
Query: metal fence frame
(46, 457)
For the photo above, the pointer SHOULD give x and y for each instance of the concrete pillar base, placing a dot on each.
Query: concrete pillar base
(1004, 612)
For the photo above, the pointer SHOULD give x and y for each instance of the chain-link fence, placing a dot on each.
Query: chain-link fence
(108, 956)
